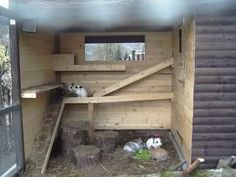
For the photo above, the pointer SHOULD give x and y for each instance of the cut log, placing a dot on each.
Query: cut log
(86, 155)
(192, 167)
(107, 141)
(72, 135)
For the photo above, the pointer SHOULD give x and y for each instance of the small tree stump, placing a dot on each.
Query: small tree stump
(107, 141)
(72, 135)
(86, 155)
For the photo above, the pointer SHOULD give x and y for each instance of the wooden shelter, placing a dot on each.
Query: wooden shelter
(185, 83)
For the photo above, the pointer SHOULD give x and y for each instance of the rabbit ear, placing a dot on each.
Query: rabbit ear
(72, 84)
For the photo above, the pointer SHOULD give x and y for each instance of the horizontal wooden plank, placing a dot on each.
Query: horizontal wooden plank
(215, 54)
(116, 99)
(215, 63)
(32, 92)
(220, 46)
(216, 37)
(211, 112)
(215, 88)
(216, 71)
(214, 137)
(219, 29)
(91, 67)
(135, 77)
(214, 144)
(215, 96)
(216, 20)
(231, 128)
(213, 152)
(215, 79)
(214, 120)
(215, 104)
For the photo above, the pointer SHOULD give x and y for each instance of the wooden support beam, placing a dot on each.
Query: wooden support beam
(54, 134)
(135, 78)
(116, 99)
(91, 67)
(32, 92)
(91, 119)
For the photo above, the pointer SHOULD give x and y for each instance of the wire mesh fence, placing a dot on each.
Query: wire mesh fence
(8, 113)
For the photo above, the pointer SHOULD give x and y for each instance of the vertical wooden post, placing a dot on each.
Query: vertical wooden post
(91, 120)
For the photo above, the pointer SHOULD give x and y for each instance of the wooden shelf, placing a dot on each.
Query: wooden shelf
(91, 67)
(117, 99)
(32, 92)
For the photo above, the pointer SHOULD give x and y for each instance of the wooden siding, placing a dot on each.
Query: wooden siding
(183, 83)
(135, 115)
(214, 123)
(36, 69)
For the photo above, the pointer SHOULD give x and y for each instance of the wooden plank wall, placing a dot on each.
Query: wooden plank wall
(36, 69)
(137, 115)
(214, 124)
(183, 83)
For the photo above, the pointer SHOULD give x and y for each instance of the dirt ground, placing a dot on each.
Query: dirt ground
(115, 164)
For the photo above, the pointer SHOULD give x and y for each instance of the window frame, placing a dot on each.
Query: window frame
(110, 38)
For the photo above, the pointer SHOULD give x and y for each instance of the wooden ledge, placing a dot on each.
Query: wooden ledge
(32, 92)
(91, 67)
(117, 99)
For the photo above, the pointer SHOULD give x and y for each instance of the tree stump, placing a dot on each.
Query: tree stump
(107, 141)
(72, 135)
(86, 155)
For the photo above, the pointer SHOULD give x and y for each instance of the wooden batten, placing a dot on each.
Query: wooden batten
(90, 67)
(119, 99)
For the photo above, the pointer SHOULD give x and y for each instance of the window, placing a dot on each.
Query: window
(4, 3)
(115, 48)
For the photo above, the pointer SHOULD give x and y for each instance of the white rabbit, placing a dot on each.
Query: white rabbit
(70, 88)
(80, 91)
(83, 92)
(153, 143)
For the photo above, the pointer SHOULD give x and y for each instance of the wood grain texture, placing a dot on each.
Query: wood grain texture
(90, 67)
(118, 99)
(36, 61)
(36, 69)
(183, 83)
(62, 60)
(145, 114)
(215, 95)
(134, 78)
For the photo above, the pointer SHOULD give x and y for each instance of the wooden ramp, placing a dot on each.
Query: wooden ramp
(135, 78)
(99, 98)
(45, 136)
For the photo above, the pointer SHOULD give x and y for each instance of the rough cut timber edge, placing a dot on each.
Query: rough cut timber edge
(135, 77)
(32, 92)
